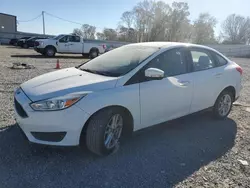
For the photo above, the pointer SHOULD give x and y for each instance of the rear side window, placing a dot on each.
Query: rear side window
(172, 62)
(220, 60)
(202, 60)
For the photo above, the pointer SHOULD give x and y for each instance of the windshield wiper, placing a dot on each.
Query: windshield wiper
(99, 72)
(88, 70)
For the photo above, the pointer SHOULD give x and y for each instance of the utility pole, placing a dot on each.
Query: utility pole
(43, 23)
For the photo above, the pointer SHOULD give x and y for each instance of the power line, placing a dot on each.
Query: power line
(63, 19)
(67, 20)
(30, 19)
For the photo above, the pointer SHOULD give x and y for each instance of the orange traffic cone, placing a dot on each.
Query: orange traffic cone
(57, 64)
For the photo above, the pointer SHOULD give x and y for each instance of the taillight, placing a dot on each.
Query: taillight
(239, 69)
(36, 43)
(104, 46)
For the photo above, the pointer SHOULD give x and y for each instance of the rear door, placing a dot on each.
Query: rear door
(207, 78)
(169, 98)
(63, 46)
(75, 44)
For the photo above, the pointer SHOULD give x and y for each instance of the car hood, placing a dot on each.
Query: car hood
(65, 81)
(42, 40)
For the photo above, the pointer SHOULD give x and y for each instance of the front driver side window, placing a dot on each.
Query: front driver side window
(172, 62)
(64, 39)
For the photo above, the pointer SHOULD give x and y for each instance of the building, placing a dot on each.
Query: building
(7, 23)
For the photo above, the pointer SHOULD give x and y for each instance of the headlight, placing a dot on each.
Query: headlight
(58, 103)
(41, 43)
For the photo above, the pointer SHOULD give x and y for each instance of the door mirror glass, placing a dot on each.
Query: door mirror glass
(154, 73)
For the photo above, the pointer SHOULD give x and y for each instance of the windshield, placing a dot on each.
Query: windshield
(119, 61)
(57, 37)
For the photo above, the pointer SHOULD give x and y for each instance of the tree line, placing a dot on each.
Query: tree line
(160, 21)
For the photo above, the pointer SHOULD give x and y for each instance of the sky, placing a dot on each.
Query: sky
(103, 13)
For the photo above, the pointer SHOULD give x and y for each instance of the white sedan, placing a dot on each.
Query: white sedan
(124, 90)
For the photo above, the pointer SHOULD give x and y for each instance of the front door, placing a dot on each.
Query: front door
(169, 98)
(75, 45)
(63, 44)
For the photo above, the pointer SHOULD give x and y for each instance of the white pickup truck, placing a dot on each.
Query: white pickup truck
(69, 44)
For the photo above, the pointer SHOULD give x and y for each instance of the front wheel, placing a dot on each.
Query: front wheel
(223, 105)
(104, 131)
(50, 52)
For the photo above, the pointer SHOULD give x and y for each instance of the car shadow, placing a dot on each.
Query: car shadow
(159, 156)
(38, 56)
(10, 46)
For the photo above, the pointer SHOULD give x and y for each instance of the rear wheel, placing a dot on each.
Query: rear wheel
(104, 131)
(223, 105)
(93, 53)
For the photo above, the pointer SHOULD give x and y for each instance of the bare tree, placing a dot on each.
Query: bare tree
(178, 19)
(87, 31)
(100, 36)
(126, 34)
(127, 19)
(143, 19)
(157, 20)
(78, 32)
(109, 34)
(161, 13)
(203, 29)
(236, 29)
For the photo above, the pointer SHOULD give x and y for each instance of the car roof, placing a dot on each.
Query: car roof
(169, 44)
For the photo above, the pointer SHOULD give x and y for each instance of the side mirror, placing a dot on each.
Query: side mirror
(154, 73)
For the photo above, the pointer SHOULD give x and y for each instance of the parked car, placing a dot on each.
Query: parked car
(124, 90)
(69, 44)
(13, 41)
(31, 42)
(21, 41)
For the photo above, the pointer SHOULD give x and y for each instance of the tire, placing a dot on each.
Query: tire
(50, 51)
(97, 128)
(93, 53)
(217, 109)
(25, 46)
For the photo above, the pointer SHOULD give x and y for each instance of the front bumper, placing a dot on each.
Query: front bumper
(61, 128)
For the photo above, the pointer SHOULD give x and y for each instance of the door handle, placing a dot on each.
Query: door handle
(184, 83)
(218, 74)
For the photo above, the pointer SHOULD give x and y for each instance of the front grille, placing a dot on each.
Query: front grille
(20, 109)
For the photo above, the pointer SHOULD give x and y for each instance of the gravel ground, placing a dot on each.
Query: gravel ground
(195, 151)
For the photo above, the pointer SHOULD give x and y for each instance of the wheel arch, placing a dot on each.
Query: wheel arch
(94, 49)
(129, 118)
(51, 46)
(230, 89)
